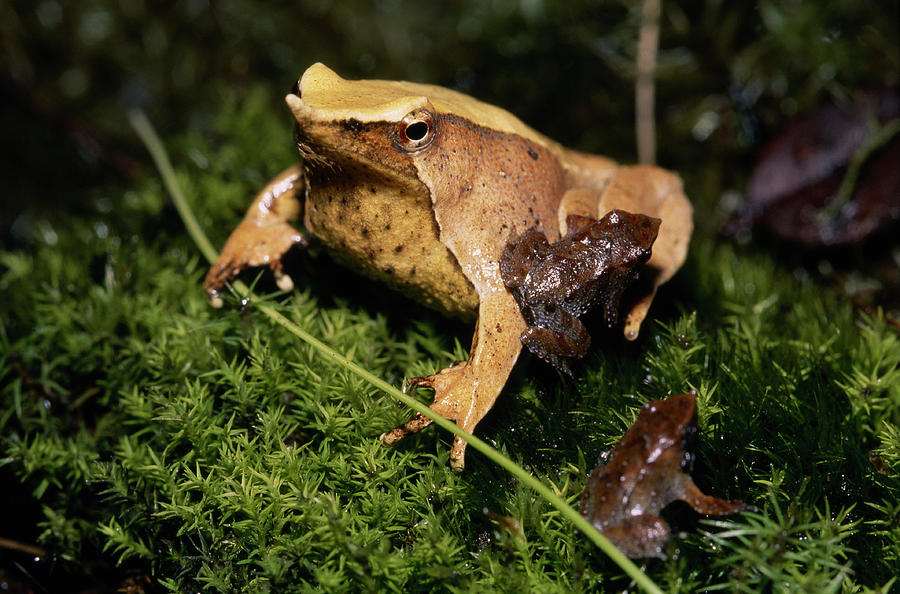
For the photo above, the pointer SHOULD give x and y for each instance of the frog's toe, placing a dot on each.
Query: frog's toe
(215, 299)
(441, 382)
(219, 273)
(424, 381)
(414, 425)
(636, 316)
(458, 454)
(284, 281)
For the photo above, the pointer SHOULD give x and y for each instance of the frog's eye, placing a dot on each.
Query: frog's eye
(415, 131)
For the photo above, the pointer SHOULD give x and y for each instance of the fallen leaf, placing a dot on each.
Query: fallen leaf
(831, 177)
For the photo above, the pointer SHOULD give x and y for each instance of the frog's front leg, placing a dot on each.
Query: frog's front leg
(651, 191)
(466, 391)
(264, 236)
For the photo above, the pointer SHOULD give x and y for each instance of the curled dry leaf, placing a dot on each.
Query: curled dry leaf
(554, 283)
(831, 177)
(647, 470)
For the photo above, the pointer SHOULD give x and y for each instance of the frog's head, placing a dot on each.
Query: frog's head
(375, 123)
(363, 143)
(380, 123)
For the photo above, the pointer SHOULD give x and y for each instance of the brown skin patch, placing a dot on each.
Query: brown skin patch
(556, 283)
(647, 470)
(373, 191)
(515, 190)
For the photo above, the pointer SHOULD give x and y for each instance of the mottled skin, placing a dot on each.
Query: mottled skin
(646, 471)
(555, 283)
(421, 187)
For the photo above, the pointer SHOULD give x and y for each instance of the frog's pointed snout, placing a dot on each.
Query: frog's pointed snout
(318, 75)
(317, 80)
(295, 103)
(316, 84)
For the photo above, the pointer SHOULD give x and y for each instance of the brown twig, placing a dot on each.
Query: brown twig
(648, 42)
(14, 545)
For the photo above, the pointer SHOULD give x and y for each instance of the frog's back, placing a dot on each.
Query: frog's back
(377, 100)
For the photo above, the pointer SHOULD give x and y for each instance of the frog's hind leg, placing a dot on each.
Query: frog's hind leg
(465, 392)
(651, 191)
(556, 341)
(264, 236)
(687, 491)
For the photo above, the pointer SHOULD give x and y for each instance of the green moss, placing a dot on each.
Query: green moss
(218, 452)
(211, 450)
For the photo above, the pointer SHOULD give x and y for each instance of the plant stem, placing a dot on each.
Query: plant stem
(154, 145)
(875, 141)
(644, 91)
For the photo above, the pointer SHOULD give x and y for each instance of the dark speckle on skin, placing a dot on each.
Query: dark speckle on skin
(532, 153)
(399, 248)
(353, 125)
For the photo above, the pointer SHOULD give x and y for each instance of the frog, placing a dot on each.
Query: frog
(554, 284)
(648, 469)
(421, 187)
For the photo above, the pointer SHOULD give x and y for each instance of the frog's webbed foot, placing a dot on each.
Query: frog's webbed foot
(466, 391)
(263, 236)
(441, 383)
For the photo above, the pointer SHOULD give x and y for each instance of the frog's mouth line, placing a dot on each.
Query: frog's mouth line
(312, 158)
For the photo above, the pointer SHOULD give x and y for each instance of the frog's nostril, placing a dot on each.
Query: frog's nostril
(295, 90)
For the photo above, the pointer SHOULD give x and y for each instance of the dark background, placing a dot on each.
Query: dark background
(730, 75)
